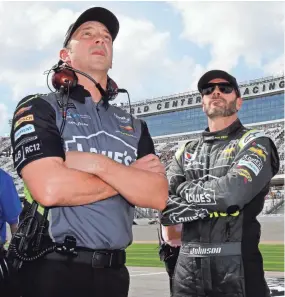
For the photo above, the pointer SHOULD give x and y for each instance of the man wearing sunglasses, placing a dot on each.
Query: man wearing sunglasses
(217, 186)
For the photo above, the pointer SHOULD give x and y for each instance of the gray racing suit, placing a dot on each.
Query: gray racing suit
(217, 186)
(90, 127)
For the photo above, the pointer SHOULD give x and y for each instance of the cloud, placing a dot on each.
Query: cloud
(142, 62)
(143, 65)
(136, 50)
(275, 67)
(30, 81)
(34, 27)
(30, 44)
(234, 30)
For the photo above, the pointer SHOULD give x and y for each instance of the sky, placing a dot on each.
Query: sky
(162, 48)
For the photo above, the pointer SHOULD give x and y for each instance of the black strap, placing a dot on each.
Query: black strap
(95, 258)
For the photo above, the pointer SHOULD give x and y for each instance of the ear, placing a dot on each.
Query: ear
(239, 103)
(64, 55)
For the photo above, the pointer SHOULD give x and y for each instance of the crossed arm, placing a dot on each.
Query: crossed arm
(87, 177)
(83, 178)
(227, 194)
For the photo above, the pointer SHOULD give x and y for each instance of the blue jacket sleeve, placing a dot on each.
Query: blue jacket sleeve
(9, 199)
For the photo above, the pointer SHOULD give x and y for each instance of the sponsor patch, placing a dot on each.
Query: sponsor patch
(215, 137)
(189, 157)
(252, 162)
(77, 116)
(205, 198)
(124, 154)
(222, 137)
(28, 118)
(261, 147)
(181, 218)
(29, 98)
(250, 136)
(258, 152)
(33, 148)
(127, 128)
(122, 119)
(69, 105)
(205, 251)
(77, 123)
(27, 129)
(216, 214)
(196, 165)
(126, 134)
(26, 140)
(18, 157)
(244, 173)
(22, 110)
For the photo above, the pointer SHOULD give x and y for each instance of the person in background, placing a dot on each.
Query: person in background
(10, 205)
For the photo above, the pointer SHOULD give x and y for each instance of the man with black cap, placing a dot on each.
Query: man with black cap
(87, 164)
(217, 185)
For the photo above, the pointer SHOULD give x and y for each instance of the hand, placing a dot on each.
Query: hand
(172, 232)
(149, 163)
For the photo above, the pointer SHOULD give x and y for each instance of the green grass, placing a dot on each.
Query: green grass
(146, 255)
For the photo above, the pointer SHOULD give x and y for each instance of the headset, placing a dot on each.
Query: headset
(64, 79)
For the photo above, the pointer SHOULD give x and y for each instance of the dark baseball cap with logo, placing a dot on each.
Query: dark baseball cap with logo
(212, 74)
(98, 14)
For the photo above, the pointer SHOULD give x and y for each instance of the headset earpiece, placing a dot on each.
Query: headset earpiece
(64, 78)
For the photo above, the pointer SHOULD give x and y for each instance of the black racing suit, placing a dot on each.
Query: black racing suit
(217, 186)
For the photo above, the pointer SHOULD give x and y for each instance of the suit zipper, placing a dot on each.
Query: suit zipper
(228, 232)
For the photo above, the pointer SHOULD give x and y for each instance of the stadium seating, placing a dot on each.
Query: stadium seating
(165, 148)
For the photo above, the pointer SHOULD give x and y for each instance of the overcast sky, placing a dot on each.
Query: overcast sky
(162, 47)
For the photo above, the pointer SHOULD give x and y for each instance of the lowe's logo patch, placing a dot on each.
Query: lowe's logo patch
(207, 197)
(120, 151)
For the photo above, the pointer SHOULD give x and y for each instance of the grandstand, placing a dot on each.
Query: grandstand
(167, 145)
(178, 118)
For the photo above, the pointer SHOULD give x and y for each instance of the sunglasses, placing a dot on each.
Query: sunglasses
(209, 88)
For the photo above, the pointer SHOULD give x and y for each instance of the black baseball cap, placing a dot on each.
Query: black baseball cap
(212, 74)
(98, 14)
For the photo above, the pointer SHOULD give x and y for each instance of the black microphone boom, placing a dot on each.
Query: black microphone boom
(98, 86)
(122, 91)
(64, 77)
